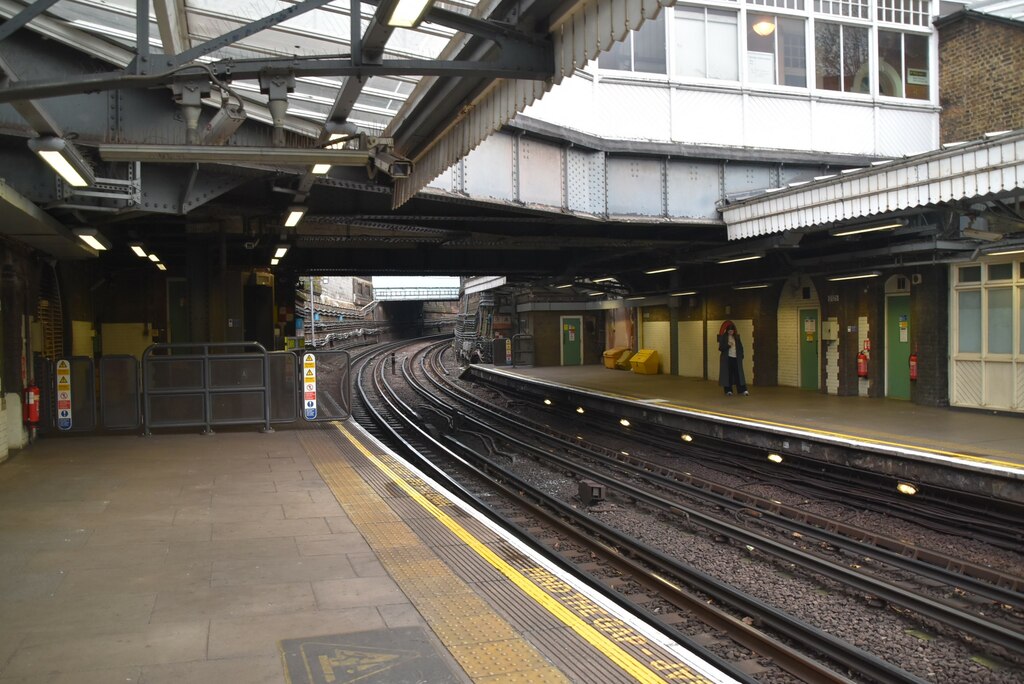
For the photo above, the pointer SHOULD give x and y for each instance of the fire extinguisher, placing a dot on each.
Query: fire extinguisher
(32, 405)
(913, 365)
(862, 364)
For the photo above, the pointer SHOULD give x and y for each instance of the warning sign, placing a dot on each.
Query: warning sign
(64, 394)
(309, 379)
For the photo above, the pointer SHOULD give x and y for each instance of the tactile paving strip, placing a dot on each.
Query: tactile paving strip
(560, 622)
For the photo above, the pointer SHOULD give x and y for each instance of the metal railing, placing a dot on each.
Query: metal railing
(206, 384)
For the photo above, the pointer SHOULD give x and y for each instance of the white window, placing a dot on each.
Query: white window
(913, 12)
(903, 65)
(706, 43)
(776, 50)
(841, 57)
(642, 51)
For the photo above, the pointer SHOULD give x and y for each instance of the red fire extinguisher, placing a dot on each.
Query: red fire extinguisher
(32, 404)
(913, 365)
(862, 364)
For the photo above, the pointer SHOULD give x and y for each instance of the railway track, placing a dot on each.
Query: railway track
(441, 421)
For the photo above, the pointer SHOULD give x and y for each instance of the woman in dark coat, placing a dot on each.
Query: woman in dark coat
(730, 365)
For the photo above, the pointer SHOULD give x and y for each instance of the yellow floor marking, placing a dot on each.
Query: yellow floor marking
(609, 648)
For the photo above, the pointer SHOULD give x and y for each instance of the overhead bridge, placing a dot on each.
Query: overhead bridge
(415, 294)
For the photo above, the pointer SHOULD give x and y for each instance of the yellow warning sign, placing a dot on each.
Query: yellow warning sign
(63, 380)
(310, 373)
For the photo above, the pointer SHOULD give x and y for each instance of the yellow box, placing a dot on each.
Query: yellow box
(645, 362)
(612, 355)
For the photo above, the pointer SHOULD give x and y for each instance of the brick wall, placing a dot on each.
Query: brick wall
(930, 308)
(981, 61)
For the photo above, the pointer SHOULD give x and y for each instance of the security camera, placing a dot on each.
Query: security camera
(391, 164)
(223, 125)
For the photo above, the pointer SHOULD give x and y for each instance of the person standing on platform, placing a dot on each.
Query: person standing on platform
(730, 365)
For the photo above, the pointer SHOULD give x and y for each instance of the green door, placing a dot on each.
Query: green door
(572, 340)
(897, 339)
(809, 365)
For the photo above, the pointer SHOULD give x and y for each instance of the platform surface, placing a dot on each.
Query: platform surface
(296, 557)
(998, 439)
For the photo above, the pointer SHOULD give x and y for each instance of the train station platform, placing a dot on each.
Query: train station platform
(975, 442)
(296, 556)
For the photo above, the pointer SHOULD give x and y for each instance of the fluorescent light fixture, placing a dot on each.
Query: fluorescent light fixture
(281, 251)
(906, 488)
(64, 158)
(275, 261)
(855, 276)
(93, 238)
(1005, 252)
(683, 294)
(154, 258)
(634, 299)
(321, 169)
(685, 437)
(775, 458)
(408, 13)
(758, 286)
(562, 287)
(547, 402)
(579, 409)
(734, 260)
(295, 214)
(624, 422)
(857, 230)
(668, 269)
(161, 267)
(594, 294)
(138, 249)
(603, 280)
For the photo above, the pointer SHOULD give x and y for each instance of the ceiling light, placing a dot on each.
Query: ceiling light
(408, 13)
(281, 251)
(685, 437)
(857, 230)
(295, 214)
(154, 258)
(683, 294)
(161, 267)
(624, 422)
(579, 409)
(321, 169)
(1005, 252)
(562, 287)
(733, 260)
(765, 27)
(138, 249)
(906, 488)
(547, 402)
(633, 299)
(668, 269)
(603, 280)
(275, 261)
(93, 238)
(775, 458)
(758, 286)
(594, 294)
(64, 158)
(856, 276)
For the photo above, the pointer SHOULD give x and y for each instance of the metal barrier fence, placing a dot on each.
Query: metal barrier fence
(120, 393)
(522, 350)
(206, 384)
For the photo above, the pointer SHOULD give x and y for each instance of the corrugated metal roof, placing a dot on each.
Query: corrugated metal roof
(1007, 9)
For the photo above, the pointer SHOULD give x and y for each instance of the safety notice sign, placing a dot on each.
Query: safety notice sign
(309, 381)
(63, 394)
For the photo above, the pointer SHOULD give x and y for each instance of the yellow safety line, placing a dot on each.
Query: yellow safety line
(599, 641)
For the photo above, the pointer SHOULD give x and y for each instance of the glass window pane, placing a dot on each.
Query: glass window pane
(1000, 320)
(619, 57)
(690, 46)
(856, 52)
(969, 327)
(723, 56)
(890, 63)
(828, 72)
(1000, 271)
(649, 44)
(970, 274)
(761, 48)
(917, 77)
(793, 49)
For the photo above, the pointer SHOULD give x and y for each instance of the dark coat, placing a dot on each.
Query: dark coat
(723, 362)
